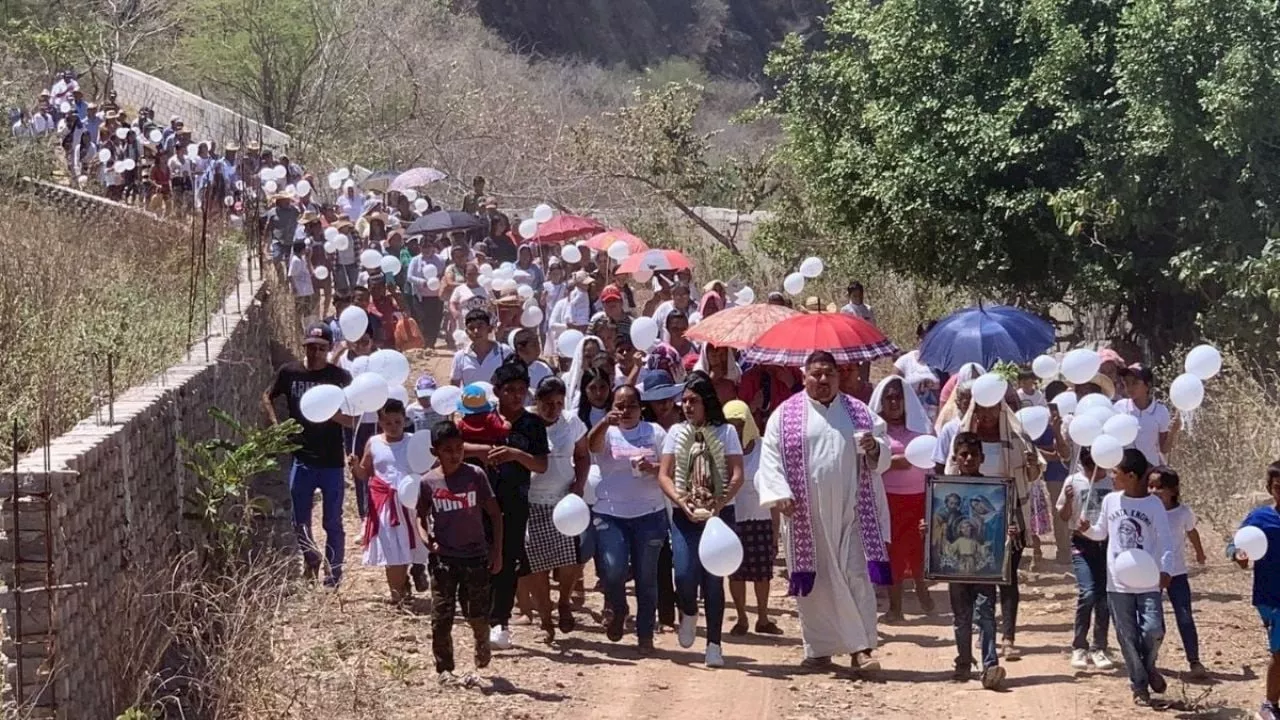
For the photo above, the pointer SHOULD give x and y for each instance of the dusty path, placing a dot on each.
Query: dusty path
(349, 654)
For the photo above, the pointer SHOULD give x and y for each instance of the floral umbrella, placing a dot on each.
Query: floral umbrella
(739, 327)
(847, 337)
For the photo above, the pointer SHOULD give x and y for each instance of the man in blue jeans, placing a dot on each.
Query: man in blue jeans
(318, 461)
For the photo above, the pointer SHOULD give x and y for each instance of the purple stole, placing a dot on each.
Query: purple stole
(795, 413)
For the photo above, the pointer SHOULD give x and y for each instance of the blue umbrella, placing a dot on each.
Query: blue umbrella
(986, 335)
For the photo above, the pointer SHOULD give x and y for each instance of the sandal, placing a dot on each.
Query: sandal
(768, 627)
(740, 628)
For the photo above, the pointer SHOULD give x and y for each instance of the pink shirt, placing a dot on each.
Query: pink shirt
(902, 482)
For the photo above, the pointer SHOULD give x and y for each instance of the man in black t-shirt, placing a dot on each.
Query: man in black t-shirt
(510, 466)
(318, 463)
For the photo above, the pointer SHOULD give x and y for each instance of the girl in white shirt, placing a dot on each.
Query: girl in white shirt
(1163, 483)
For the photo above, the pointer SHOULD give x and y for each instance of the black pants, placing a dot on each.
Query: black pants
(666, 586)
(515, 519)
(430, 315)
(1010, 597)
(458, 581)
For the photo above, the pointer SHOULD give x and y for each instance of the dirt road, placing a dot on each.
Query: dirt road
(350, 655)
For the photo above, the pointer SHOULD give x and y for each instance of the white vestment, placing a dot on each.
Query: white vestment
(839, 616)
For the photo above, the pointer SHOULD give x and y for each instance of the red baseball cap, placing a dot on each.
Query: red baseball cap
(610, 293)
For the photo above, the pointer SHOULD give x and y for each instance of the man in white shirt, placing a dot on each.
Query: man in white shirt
(477, 362)
(1154, 419)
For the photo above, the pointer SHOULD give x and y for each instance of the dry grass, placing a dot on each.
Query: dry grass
(77, 291)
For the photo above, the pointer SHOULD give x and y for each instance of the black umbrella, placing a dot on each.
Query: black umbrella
(444, 221)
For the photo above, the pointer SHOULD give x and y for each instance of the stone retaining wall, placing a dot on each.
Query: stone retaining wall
(92, 207)
(207, 120)
(97, 518)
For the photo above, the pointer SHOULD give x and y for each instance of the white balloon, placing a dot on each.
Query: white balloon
(486, 269)
(1122, 427)
(410, 194)
(335, 182)
(421, 205)
(571, 254)
(644, 333)
(360, 365)
(281, 172)
(409, 486)
(433, 284)
(525, 292)
(811, 267)
(567, 343)
(1252, 541)
(1044, 367)
(1136, 569)
(303, 188)
(1107, 451)
(1066, 402)
(342, 242)
(793, 284)
(371, 259)
(543, 213)
(619, 251)
(129, 163)
(1091, 401)
(531, 317)
(353, 322)
(368, 392)
(321, 272)
(920, 451)
(155, 136)
(528, 228)
(392, 365)
(1080, 365)
(320, 403)
(396, 391)
(122, 133)
(571, 515)
(444, 401)
(746, 296)
(343, 173)
(118, 166)
(330, 247)
(989, 390)
(104, 155)
(270, 186)
(1204, 361)
(66, 108)
(228, 201)
(430, 271)
(1034, 419)
(267, 174)
(720, 550)
(1084, 429)
(390, 264)
(331, 233)
(419, 453)
(1187, 392)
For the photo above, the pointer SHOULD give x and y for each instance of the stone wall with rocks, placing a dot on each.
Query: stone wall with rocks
(207, 120)
(90, 525)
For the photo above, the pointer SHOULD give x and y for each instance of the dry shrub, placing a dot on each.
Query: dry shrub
(1223, 450)
(76, 290)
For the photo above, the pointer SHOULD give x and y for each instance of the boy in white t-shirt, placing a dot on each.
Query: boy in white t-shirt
(1136, 523)
(1081, 500)
(300, 281)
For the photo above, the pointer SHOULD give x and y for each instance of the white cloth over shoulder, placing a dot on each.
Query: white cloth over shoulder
(839, 615)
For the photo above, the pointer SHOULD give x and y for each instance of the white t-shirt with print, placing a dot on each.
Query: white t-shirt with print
(1087, 502)
(726, 434)
(1133, 523)
(548, 488)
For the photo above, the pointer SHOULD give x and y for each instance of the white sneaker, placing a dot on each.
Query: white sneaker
(688, 630)
(1080, 659)
(1101, 660)
(500, 638)
(715, 656)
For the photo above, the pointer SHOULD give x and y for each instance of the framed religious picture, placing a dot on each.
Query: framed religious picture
(967, 529)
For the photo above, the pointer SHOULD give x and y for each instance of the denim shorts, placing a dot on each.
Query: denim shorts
(1271, 621)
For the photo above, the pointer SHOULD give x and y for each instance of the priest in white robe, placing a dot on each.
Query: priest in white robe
(820, 465)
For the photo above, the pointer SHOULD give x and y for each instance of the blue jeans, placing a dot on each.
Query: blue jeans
(1089, 561)
(1180, 598)
(631, 543)
(974, 604)
(1139, 623)
(304, 480)
(690, 577)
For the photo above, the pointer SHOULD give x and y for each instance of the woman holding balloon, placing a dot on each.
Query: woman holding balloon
(700, 473)
(904, 486)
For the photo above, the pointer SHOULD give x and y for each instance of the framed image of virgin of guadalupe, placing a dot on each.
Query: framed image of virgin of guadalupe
(967, 529)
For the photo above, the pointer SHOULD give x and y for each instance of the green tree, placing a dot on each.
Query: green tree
(1103, 151)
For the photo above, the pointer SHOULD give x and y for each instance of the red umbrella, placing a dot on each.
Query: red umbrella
(562, 228)
(654, 260)
(848, 337)
(739, 327)
(606, 239)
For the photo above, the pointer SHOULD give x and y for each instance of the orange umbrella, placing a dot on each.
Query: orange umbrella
(739, 327)
(606, 239)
